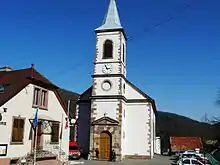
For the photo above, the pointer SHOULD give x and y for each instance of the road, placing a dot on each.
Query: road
(158, 160)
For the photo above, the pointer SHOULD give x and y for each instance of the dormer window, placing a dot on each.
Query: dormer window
(2, 87)
(108, 49)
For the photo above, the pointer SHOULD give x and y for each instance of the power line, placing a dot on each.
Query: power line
(145, 30)
(166, 20)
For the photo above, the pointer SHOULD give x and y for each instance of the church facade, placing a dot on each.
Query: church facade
(113, 114)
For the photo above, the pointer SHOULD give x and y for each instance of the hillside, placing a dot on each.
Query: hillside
(169, 124)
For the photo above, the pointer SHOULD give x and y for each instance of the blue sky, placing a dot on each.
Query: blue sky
(176, 63)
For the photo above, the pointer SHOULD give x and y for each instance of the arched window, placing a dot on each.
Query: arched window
(108, 49)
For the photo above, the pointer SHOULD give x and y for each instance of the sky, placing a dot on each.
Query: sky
(175, 62)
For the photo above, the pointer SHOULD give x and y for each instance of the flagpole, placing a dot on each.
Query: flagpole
(60, 140)
(68, 109)
(35, 145)
(35, 124)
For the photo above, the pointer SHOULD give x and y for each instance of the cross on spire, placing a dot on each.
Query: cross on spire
(105, 114)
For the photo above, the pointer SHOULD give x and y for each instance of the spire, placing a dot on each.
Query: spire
(111, 20)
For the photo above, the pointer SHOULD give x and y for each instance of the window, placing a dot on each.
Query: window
(123, 55)
(44, 98)
(73, 148)
(196, 162)
(55, 133)
(124, 88)
(108, 49)
(17, 130)
(2, 87)
(36, 96)
(186, 161)
(40, 98)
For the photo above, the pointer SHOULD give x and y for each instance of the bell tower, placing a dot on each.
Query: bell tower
(109, 79)
(110, 58)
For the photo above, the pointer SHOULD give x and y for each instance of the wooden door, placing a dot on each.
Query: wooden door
(104, 146)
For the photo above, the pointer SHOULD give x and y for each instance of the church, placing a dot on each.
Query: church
(114, 114)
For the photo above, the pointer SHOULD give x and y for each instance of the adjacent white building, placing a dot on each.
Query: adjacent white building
(113, 114)
(21, 92)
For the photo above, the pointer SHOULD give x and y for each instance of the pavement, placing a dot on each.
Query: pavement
(157, 160)
(76, 162)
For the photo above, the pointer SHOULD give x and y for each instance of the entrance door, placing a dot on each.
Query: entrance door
(104, 146)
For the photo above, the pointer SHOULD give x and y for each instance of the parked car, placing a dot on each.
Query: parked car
(74, 151)
(197, 156)
(189, 161)
(189, 152)
(202, 159)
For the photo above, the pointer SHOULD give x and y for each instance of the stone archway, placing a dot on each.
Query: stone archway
(105, 145)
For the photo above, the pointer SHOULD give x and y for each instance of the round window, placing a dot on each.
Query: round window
(106, 85)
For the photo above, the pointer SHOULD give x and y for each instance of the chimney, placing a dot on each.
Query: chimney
(32, 66)
(32, 70)
(6, 69)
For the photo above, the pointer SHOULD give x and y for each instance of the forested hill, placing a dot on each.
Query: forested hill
(169, 124)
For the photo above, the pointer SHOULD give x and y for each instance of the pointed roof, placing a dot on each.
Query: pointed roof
(16, 80)
(111, 20)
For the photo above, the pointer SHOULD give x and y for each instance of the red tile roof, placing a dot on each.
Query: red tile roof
(16, 80)
(185, 143)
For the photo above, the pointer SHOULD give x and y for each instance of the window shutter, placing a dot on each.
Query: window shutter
(20, 130)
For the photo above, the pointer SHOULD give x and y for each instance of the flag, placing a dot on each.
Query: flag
(35, 122)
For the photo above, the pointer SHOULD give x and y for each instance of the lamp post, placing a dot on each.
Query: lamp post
(72, 124)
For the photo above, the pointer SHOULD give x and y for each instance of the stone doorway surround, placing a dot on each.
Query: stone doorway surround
(105, 124)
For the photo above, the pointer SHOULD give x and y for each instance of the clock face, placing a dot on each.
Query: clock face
(107, 68)
(106, 85)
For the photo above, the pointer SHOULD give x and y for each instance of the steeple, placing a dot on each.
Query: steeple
(111, 20)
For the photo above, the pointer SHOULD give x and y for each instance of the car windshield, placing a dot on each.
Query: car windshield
(73, 148)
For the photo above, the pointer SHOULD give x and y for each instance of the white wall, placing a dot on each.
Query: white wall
(152, 129)
(157, 146)
(115, 81)
(123, 129)
(21, 105)
(108, 106)
(137, 130)
(130, 93)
